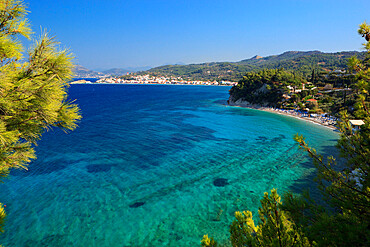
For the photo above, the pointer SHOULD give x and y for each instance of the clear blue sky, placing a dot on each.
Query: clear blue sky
(122, 33)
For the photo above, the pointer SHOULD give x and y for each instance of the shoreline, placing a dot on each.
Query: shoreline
(313, 120)
(169, 84)
(330, 124)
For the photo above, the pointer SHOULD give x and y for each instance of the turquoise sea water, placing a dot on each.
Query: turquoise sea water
(154, 165)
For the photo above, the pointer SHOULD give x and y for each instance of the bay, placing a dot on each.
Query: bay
(155, 165)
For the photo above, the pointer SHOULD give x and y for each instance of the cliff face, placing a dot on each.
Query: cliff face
(258, 93)
(244, 103)
(237, 102)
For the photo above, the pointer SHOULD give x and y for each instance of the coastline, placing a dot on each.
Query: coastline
(313, 120)
(169, 84)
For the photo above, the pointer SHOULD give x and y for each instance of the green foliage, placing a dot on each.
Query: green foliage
(346, 187)
(266, 86)
(33, 94)
(364, 30)
(275, 229)
(324, 226)
(206, 71)
(2, 217)
(346, 190)
(208, 242)
(301, 63)
(345, 218)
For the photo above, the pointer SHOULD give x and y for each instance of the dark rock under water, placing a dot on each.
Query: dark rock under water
(261, 138)
(220, 182)
(136, 204)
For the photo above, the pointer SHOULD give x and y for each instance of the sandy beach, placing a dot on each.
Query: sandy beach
(328, 123)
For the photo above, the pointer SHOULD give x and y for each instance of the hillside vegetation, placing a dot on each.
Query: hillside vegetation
(301, 62)
(301, 220)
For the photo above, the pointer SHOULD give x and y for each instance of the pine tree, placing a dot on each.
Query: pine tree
(208, 242)
(275, 229)
(346, 188)
(313, 76)
(33, 96)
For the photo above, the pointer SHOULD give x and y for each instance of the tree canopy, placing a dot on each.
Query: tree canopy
(265, 87)
(33, 89)
(346, 187)
(345, 220)
(298, 61)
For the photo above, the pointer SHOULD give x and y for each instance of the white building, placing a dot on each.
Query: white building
(356, 124)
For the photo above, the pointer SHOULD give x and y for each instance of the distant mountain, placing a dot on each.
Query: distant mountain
(123, 71)
(177, 63)
(82, 72)
(135, 69)
(289, 55)
(300, 61)
(117, 71)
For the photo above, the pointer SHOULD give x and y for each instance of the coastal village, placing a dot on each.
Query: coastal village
(319, 99)
(309, 107)
(148, 79)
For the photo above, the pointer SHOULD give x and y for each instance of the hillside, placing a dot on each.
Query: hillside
(82, 72)
(117, 71)
(303, 62)
(123, 71)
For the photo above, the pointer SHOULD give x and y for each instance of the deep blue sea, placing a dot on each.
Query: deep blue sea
(86, 79)
(154, 165)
